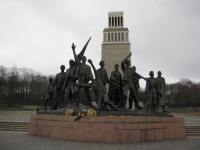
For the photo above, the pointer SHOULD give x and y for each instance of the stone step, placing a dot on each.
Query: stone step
(192, 130)
(14, 130)
(2, 122)
(14, 126)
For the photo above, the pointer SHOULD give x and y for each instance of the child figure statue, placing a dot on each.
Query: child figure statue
(48, 95)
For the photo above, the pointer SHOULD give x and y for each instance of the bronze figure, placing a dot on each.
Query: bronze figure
(58, 82)
(115, 86)
(83, 73)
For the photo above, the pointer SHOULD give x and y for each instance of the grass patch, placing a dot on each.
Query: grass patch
(14, 108)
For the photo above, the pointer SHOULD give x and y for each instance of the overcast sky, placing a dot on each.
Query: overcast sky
(164, 34)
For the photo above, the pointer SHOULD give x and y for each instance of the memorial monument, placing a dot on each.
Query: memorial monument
(112, 125)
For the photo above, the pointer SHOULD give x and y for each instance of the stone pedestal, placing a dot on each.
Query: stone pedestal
(108, 129)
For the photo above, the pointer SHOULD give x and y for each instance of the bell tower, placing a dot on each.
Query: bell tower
(115, 46)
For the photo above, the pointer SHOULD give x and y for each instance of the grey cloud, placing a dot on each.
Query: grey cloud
(164, 34)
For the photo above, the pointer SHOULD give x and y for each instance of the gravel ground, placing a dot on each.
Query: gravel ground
(23, 141)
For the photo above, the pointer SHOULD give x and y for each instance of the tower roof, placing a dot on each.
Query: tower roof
(116, 12)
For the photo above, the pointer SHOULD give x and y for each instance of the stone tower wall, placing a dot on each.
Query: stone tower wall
(114, 53)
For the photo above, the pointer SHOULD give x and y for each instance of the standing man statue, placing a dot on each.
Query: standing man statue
(103, 73)
(151, 90)
(69, 82)
(161, 93)
(136, 85)
(84, 71)
(58, 82)
(115, 86)
(48, 95)
(128, 78)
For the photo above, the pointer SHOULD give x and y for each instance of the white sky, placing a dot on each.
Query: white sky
(164, 34)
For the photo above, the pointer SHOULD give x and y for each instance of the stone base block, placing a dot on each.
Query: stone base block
(108, 129)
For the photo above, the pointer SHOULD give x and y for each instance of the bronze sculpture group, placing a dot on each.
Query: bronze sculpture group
(79, 74)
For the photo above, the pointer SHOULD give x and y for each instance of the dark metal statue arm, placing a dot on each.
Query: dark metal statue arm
(126, 57)
(75, 56)
(123, 62)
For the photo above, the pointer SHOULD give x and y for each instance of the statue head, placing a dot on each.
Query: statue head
(84, 59)
(159, 73)
(50, 80)
(116, 66)
(101, 63)
(127, 62)
(134, 68)
(151, 73)
(71, 62)
(62, 67)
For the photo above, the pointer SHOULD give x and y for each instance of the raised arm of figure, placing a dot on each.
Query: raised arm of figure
(123, 62)
(126, 57)
(75, 56)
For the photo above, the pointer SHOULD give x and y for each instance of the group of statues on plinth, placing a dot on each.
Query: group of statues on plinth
(79, 75)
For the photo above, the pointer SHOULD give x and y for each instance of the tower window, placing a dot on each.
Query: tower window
(118, 21)
(122, 36)
(113, 21)
(115, 36)
(118, 36)
(108, 36)
(121, 21)
(109, 21)
(111, 36)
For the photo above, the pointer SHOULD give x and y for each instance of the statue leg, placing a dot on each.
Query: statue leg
(109, 103)
(87, 93)
(133, 93)
(163, 107)
(73, 93)
(123, 99)
(45, 104)
(69, 94)
(57, 94)
(50, 99)
(154, 100)
(99, 105)
(130, 100)
(118, 96)
(113, 97)
(136, 92)
(62, 100)
(77, 89)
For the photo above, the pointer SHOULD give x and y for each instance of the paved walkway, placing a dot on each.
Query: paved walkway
(21, 116)
(190, 118)
(23, 141)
